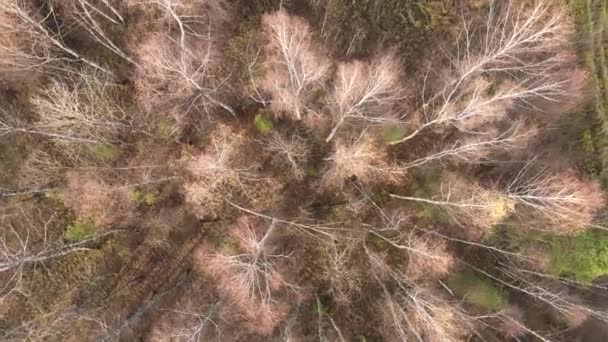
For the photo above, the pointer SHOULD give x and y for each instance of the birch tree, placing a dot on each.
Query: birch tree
(30, 43)
(27, 238)
(416, 311)
(295, 65)
(367, 92)
(181, 72)
(468, 203)
(529, 43)
(249, 278)
(84, 109)
(362, 158)
(560, 198)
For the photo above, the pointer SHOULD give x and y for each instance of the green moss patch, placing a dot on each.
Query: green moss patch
(104, 152)
(262, 123)
(79, 231)
(141, 197)
(477, 291)
(583, 257)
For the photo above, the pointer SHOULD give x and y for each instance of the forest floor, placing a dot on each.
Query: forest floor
(592, 28)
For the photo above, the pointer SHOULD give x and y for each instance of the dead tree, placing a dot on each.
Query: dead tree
(325, 332)
(543, 291)
(326, 233)
(295, 64)
(367, 92)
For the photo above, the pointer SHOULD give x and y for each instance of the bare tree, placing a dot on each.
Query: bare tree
(479, 104)
(481, 147)
(249, 277)
(428, 257)
(292, 152)
(217, 170)
(524, 41)
(181, 72)
(361, 158)
(342, 275)
(516, 36)
(205, 324)
(185, 14)
(468, 203)
(85, 110)
(94, 16)
(560, 198)
(538, 197)
(295, 65)
(415, 311)
(49, 324)
(39, 170)
(22, 52)
(366, 92)
(26, 239)
(92, 199)
(35, 44)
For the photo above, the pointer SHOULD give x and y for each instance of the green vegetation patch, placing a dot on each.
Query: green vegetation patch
(55, 195)
(104, 152)
(142, 197)
(583, 257)
(79, 231)
(229, 246)
(393, 133)
(262, 123)
(426, 183)
(477, 291)
(165, 129)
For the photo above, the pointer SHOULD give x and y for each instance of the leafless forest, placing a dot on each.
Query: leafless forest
(302, 170)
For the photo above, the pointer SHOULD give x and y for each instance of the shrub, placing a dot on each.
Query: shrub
(477, 291)
(79, 230)
(583, 257)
